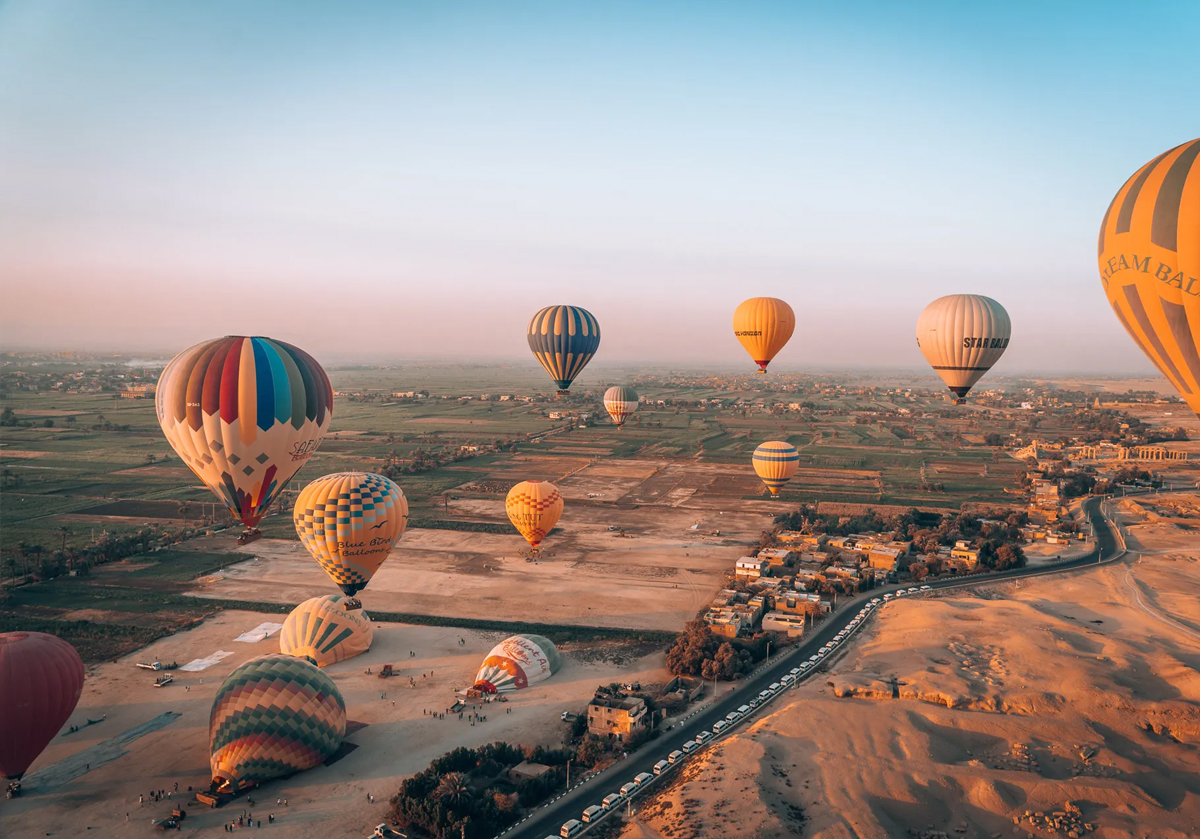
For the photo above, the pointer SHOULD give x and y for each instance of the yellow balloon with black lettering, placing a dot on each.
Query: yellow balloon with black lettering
(763, 325)
(534, 507)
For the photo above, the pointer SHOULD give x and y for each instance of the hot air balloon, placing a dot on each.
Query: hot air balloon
(273, 716)
(763, 325)
(620, 401)
(962, 336)
(326, 629)
(776, 462)
(564, 339)
(533, 508)
(41, 678)
(516, 663)
(245, 414)
(349, 522)
(1150, 264)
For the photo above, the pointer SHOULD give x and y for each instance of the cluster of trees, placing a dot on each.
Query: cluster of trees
(45, 564)
(422, 460)
(697, 651)
(467, 792)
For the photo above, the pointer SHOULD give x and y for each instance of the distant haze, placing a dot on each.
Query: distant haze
(415, 180)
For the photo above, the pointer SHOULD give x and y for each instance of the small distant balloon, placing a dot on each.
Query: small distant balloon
(1149, 257)
(564, 339)
(962, 336)
(534, 508)
(776, 462)
(763, 325)
(620, 401)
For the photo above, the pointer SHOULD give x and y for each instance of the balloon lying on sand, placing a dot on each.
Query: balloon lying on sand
(1149, 256)
(776, 462)
(273, 716)
(516, 663)
(350, 522)
(763, 325)
(563, 339)
(962, 336)
(534, 507)
(326, 629)
(620, 401)
(245, 414)
(41, 678)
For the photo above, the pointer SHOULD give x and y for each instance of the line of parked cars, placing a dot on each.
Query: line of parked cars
(610, 802)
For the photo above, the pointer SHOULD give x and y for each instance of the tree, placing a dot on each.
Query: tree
(453, 789)
(47, 423)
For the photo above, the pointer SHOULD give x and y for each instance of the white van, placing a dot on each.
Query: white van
(642, 777)
(571, 827)
(628, 788)
(592, 812)
(795, 671)
(660, 767)
(690, 746)
(732, 717)
(743, 710)
(775, 686)
(611, 800)
(675, 756)
(812, 659)
(789, 679)
(703, 737)
(719, 727)
(764, 695)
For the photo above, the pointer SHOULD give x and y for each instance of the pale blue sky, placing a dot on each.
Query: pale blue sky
(417, 179)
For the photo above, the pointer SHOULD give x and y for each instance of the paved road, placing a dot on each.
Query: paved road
(549, 820)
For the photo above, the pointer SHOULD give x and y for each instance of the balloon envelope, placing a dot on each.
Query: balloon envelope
(41, 678)
(763, 325)
(776, 462)
(564, 339)
(349, 522)
(534, 508)
(273, 716)
(516, 663)
(620, 402)
(1149, 257)
(245, 414)
(962, 336)
(326, 629)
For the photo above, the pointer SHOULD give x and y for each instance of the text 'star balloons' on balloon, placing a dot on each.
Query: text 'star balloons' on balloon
(620, 401)
(534, 508)
(41, 678)
(776, 462)
(517, 662)
(1150, 264)
(349, 522)
(245, 414)
(763, 325)
(564, 339)
(273, 716)
(326, 629)
(962, 336)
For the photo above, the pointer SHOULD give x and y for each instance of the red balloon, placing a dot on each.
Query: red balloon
(41, 677)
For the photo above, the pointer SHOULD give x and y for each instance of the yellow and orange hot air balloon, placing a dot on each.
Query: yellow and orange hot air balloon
(349, 522)
(763, 325)
(776, 462)
(1149, 257)
(534, 508)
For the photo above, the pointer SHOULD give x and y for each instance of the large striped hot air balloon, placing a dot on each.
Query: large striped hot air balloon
(534, 508)
(776, 462)
(245, 414)
(41, 678)
(326, 629)
(962, 336)
(620, 401)
(763, 325)
(273, 716)
(1149, 256)
(349, 522)
(564, 339)
(516, 663)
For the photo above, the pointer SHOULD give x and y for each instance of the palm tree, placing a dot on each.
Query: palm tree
(453, 789)
(65, 531)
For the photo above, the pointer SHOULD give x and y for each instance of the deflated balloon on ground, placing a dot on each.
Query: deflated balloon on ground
(517, 662)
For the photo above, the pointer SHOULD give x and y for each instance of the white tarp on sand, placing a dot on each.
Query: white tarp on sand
(259, 633)
(204, 663)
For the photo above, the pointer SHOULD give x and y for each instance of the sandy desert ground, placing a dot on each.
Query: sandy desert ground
(1077, 696)
(83, 783)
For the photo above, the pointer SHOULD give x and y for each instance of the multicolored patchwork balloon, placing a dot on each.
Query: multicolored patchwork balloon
(349, 522)
(245, 414)
(620, 401)
(41, 678)
(776, 462)
(273, 716)
(534, 508)
(563, 340)
(326, 629)
(516, 663)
